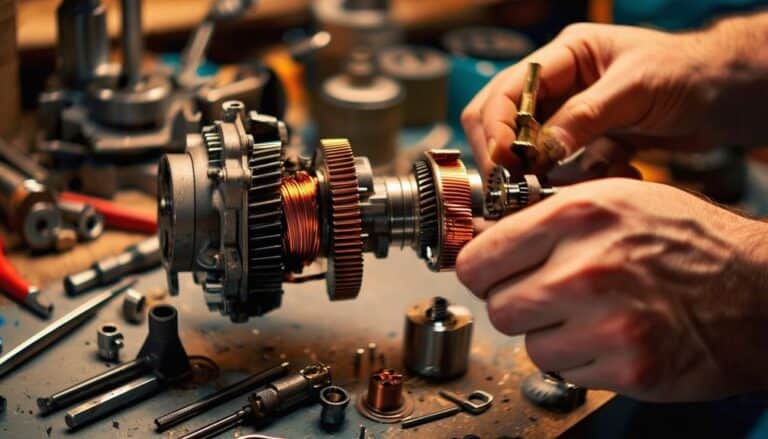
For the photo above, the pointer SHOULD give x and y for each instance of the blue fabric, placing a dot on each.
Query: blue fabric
(677, 14)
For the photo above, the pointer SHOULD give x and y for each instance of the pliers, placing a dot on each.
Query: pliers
(15, 287)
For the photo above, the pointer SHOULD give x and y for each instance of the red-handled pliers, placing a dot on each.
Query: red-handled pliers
(15, 287)
(115, 215)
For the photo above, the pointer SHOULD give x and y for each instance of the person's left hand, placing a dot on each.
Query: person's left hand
(634, 287)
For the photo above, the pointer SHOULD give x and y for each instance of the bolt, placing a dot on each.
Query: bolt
(439, 310)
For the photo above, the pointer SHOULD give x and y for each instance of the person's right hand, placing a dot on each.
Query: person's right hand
(638, 87)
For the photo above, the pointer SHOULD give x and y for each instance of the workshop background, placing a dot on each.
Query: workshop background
(80, 258)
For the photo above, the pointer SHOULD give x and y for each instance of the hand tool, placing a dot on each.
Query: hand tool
(88, 223)
(276, 399)
(134, 303)
(385, 400)
(550, 391)
(58, 329)
(193, 409)
(136, 258)
(477, 402)
(116, 216)
(437, 339)
(109, 341)
(161, 361)
(525, 145)
(30, 209)
(12, 284)
(334, 401)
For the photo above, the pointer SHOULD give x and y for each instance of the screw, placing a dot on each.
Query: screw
(439, 310)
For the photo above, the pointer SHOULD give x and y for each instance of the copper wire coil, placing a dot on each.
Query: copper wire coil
(302, 225)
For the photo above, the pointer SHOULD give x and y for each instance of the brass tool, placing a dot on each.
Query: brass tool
(525, 146)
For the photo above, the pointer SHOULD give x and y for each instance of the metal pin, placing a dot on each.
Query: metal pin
(359, 360)
(372, 353)
(527, 126)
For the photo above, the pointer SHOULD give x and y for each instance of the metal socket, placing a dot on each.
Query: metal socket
(134, 303)
(334, 400)
(109, 341)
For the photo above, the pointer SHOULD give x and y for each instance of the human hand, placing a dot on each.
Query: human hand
(634, 287)
(640, 87)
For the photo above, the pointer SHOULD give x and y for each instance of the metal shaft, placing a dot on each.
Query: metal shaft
(530, 90)
(193, 409)
(421, 420)
(58, 329)
(133, 41)
(112, 401)
(221, 425)
(93, 386)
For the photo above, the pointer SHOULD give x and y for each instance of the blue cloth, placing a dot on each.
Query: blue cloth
(677, 14)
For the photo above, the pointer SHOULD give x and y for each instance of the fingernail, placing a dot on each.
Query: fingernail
(553, 142)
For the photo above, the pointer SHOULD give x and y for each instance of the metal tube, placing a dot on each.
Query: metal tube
(221, 425)
(56, 330)
(94, 385)
(114, 400)
(133, 43)
(193, 409)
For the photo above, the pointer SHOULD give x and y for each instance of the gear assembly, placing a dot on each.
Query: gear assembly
(244, 219)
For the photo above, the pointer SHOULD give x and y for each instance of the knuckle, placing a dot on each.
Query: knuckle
(465, 270)
(577, 30)
(469, 118)
(584, 111)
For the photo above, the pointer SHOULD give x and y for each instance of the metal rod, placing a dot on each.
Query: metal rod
(58, 329)
(114, 400)
(93, 386)
(530, 89)
(191, 410)
(221, 425)
(133, 41)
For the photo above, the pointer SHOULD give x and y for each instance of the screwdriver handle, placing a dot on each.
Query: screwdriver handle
(11, 282)
(115, 215)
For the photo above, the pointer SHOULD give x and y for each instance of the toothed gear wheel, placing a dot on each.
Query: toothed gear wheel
(345, 257)
(265, 231)
(501, 197)
(213, 143)
(428, 228)
(552, 392)
(454, 208)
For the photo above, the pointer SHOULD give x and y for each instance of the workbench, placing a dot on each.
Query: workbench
(307, 327)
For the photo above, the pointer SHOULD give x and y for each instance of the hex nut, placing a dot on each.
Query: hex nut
(134, 303)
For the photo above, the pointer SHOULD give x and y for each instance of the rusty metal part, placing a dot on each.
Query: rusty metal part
(456, 204)
(345, 246)
(29, 208)
(385, 400)
(301, 239)
(437, 339)
(109, 341)
(334, 401)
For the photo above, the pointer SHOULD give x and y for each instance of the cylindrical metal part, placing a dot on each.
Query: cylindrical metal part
(93, 386)
(109, 341)
(133, 41)
(53, 332)
(437, 339)
(88, 223)
(163, 345)
(221, 425)
(334, 401)
(112, 401)
(423, 73)
(291, 391)
(134, 303)
(364, 107)
(191, 410)
(142, 256)
(385, 391)
(29, 208)
(82, 43)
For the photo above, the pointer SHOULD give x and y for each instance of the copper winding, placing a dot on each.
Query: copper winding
(302, 225)
(385, 391)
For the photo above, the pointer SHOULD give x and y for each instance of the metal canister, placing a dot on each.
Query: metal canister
(423, 73)
(363, 106)
(437, 339)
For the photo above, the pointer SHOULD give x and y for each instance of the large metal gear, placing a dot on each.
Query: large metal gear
(345, 254)
(265, 230)
(428, 228)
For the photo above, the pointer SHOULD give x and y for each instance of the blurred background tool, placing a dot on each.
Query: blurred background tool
(58, 329)
(116, 216)
(15, 287)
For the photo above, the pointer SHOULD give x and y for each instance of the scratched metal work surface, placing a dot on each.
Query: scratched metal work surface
(307, 327)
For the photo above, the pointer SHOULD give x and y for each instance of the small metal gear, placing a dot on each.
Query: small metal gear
(213, 143)
(549, 391)
(345, 257)
(265, 231)
(428, 228)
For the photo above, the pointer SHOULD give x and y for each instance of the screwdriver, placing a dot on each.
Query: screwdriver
(15, 287)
